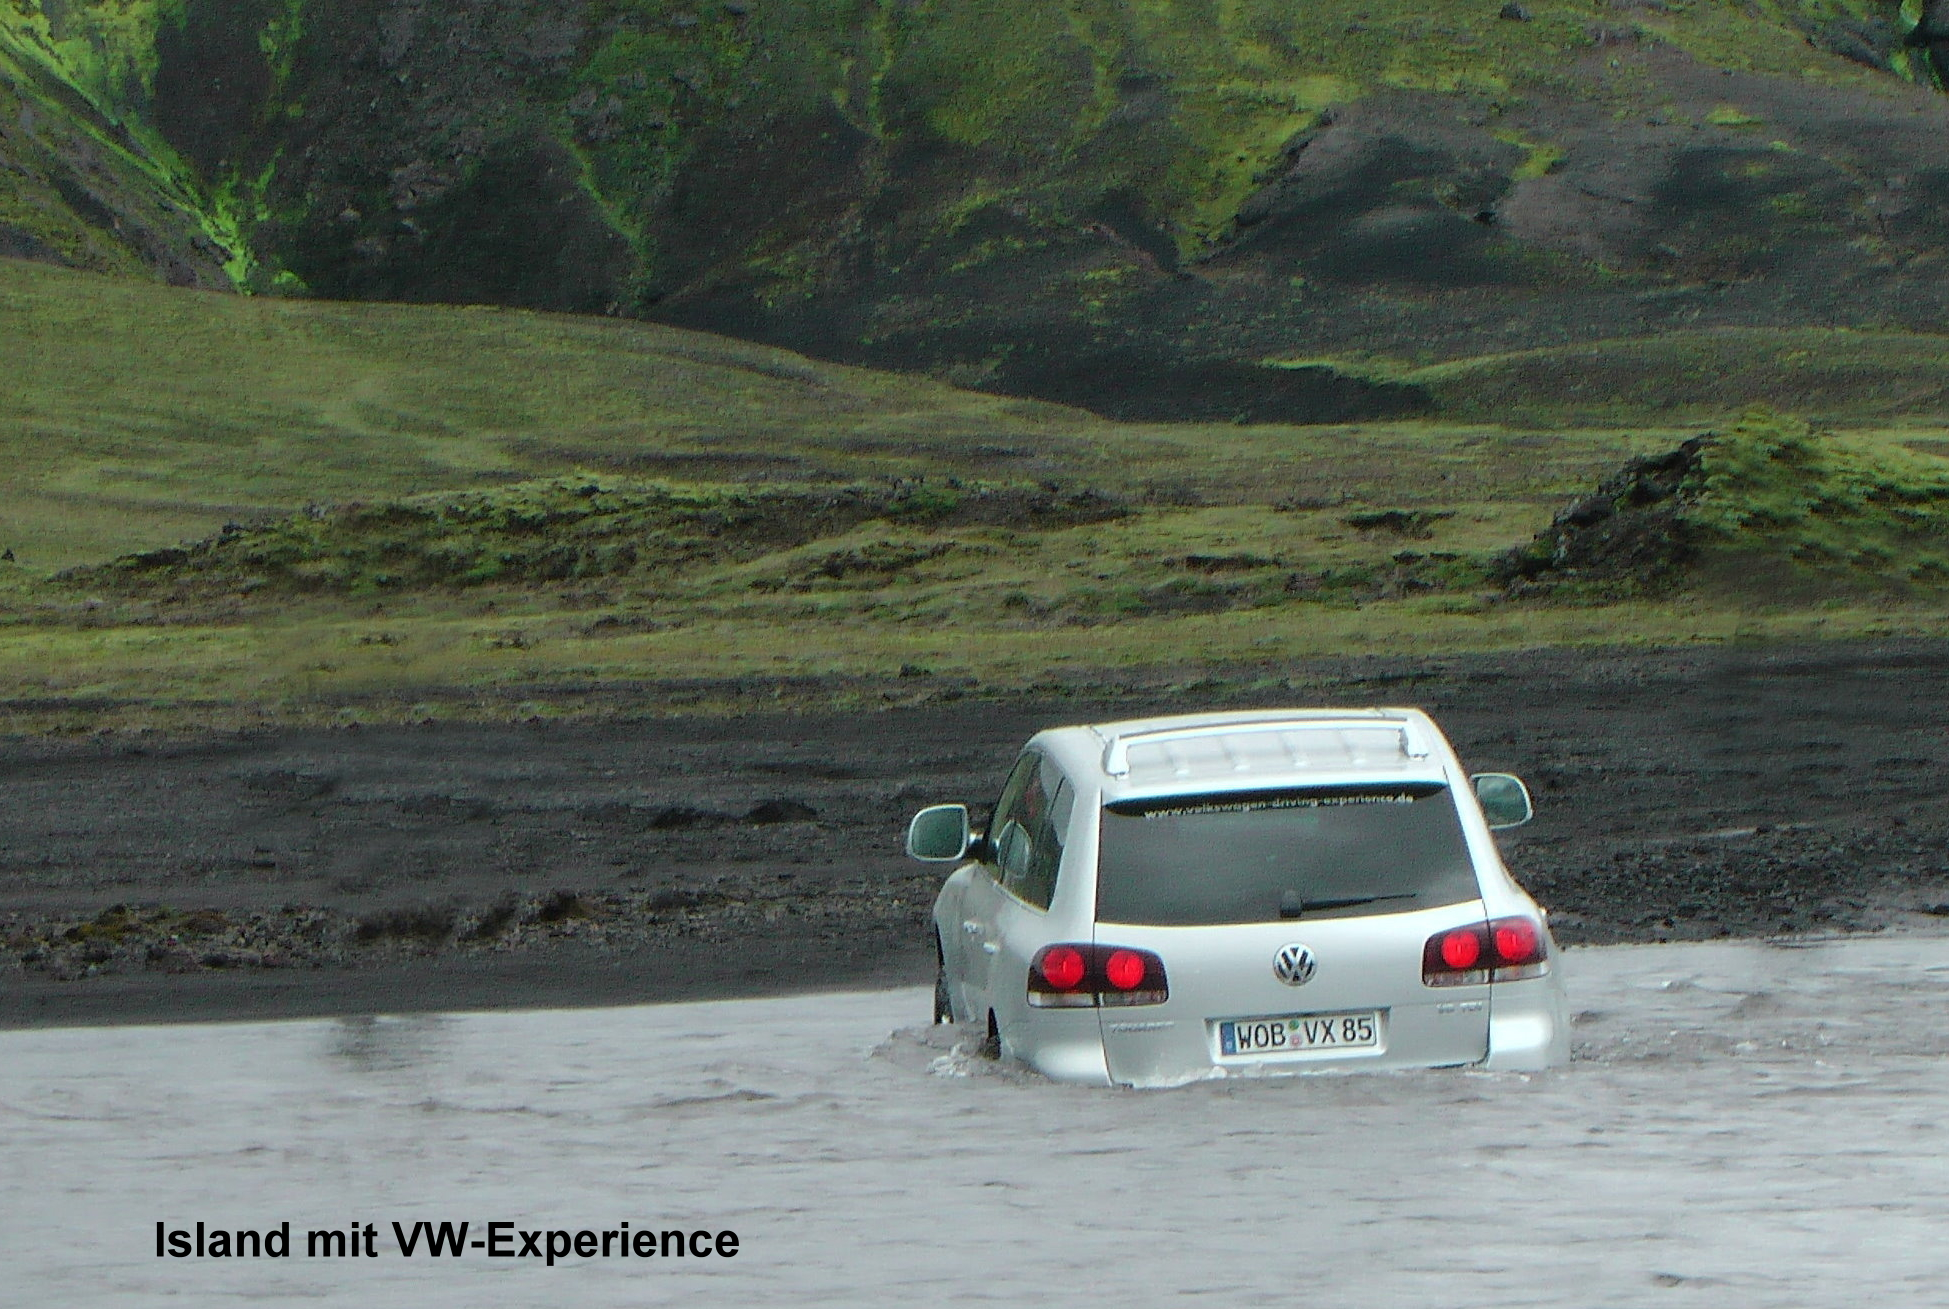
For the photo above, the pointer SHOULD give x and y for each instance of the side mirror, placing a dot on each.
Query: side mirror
(1504, 799)
(940, 834)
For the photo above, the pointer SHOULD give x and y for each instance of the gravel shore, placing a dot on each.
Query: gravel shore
(1682, 794)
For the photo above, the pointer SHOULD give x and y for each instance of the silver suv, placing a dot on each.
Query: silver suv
(1281, 891)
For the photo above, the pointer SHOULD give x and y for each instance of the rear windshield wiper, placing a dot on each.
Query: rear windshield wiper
(1294, 905)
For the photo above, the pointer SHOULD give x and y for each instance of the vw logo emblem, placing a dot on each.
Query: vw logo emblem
(1294, 965)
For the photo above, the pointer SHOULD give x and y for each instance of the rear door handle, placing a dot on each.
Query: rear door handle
(989, 947)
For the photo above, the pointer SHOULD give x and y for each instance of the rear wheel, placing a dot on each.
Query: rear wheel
(991, 1045)
(943, 1007)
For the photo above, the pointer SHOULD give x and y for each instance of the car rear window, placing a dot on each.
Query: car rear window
(1262, 856)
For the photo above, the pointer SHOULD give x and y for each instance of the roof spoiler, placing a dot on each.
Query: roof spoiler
(1116, 757)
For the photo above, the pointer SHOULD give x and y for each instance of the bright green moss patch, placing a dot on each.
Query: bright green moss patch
(1539, 159)
(87, 75)
(1732, 116)
(1826, 500)
(107, 48)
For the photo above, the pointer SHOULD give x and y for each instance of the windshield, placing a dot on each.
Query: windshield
(1265, 856)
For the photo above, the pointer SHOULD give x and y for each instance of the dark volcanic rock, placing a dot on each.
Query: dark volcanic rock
(1630, 530)
(781, 811)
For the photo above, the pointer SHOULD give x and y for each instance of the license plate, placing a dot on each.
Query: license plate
(1297, 1033)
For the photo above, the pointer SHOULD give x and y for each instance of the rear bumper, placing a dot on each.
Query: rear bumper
(1165, 1051)
(1528, 1030)
(1064, 1045)
(1080, 1062)
(1529, 1025)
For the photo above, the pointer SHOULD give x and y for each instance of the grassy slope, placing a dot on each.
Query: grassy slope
(140, 416)
(135, 415)
(1836, 375)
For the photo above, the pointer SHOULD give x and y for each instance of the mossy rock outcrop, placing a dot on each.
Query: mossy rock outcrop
(1770, 506)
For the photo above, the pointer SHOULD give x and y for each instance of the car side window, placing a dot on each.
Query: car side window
(1034, 816)
(1037, 885)
(1007, 835)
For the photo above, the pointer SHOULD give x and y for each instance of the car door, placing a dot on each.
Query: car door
(983, 900)
(947, 930)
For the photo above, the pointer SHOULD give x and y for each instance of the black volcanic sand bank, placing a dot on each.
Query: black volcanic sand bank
(1683, 794)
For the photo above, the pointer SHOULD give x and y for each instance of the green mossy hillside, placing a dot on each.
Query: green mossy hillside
(1107, 202)
(1038, 94)
(86, 180)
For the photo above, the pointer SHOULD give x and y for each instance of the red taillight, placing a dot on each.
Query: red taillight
(1083, 976)
(1505, 950)
(1124, 969)
(1461, 949)
(1518, 941)
(1062, 967)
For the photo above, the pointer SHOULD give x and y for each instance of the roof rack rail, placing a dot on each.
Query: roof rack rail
(1116, 756)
